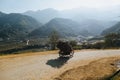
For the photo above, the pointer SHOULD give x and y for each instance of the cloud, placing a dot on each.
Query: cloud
(24, 5)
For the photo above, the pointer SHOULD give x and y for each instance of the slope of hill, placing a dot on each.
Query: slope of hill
(95, 27)
(16, 25)
(113, 29)
(64, 27)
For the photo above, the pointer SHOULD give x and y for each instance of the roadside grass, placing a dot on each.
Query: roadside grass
(31, 53)
(101, 69)
(28, 53)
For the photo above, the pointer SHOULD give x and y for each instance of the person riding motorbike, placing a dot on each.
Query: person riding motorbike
(65, 48)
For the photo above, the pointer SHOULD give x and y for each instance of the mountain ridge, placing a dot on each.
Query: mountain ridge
(64, 27)
(93, 20)
(15, 25)
(113, 29)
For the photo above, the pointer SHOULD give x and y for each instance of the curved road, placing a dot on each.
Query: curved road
(48, 66)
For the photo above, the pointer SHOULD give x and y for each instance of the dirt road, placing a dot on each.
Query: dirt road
(48, 66)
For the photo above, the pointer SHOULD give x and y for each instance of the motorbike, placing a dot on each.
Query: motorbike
(66, 53)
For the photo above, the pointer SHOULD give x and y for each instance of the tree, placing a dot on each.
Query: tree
(112, 40)
(73, 43)
(53, 39)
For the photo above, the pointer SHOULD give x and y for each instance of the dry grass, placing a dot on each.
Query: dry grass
(97, 70)
(33, 53)
(29, 54)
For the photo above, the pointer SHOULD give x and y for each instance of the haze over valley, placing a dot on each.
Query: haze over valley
(59, 39)
(70, 18)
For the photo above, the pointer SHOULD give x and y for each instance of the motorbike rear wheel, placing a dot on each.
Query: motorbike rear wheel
(62, 54)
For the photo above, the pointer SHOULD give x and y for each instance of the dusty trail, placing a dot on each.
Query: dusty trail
(48, 66)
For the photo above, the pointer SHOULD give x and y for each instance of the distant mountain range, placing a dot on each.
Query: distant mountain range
(43, 16)
(74, 22)
(113, 29)
(16, 25)
(93, 20)
(65, 28)
(95, 27)
(77, 14)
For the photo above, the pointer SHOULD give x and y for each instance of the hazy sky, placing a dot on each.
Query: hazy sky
(9, 6)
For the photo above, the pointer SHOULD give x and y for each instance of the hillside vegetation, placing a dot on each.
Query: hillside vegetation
(16, 26)
(113, 29)
(65, 27)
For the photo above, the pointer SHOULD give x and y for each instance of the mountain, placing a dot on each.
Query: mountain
(15, 25)
(77, 14)
(95, 27)
(113, 29)
(84, 13)
(65, 28)
(2, 14)
(43, 15)
(92, 19)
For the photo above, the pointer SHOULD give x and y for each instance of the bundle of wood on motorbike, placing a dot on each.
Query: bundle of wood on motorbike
(65, 49)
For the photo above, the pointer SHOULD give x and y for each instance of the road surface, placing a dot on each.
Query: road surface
(48, 66)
